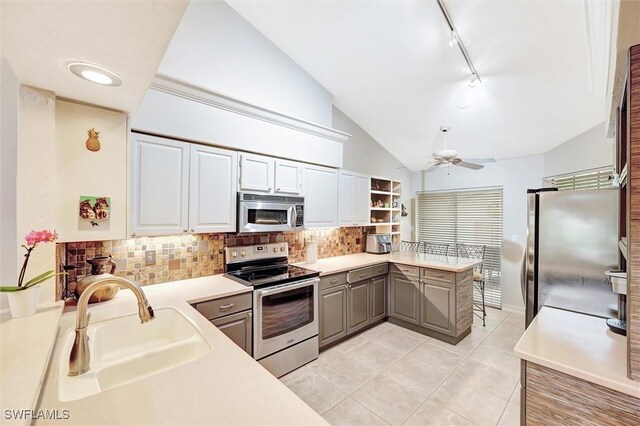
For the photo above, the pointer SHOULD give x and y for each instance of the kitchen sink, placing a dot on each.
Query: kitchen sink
(124, 351)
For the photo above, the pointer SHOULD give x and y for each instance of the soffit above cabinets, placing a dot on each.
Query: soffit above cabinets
(390, 68)
(127, 37)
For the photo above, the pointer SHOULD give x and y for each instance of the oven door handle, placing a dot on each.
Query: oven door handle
(287, 287)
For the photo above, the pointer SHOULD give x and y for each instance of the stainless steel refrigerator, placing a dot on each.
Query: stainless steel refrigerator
(572, 239)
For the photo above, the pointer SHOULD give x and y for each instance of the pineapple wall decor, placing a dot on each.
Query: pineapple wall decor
(93, 143)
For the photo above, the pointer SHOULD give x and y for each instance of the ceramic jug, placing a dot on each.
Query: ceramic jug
(98, 266)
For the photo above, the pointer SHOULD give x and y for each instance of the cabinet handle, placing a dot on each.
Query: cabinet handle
(333, 281)
(184, 230)
(362, 275)
(133, 235)
(277, 189)
(438, 275)
(192, 230)
(269, 188)
(225, 307)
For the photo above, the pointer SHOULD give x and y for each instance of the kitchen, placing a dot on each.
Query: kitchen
(185, 201)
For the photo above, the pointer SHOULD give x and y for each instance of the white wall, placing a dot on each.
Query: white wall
(36, 181)
(588, 150)
(83, 172)
(216, 48)
(515, 176)
(363, 154)
(8, 155)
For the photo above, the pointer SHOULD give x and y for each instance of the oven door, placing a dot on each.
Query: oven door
(260, 216)
(284, 315)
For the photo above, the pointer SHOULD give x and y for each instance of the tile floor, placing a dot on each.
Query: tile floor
(390, 375)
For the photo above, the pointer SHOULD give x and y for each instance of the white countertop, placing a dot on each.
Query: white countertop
(226, 386)
(332, 265)
(579, 345)
(24, 355)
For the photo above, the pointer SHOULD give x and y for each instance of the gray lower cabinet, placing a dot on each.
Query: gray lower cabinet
(404, 298)
(332, 304)
(233, 316)
(350, 301)
(378, 298)
(238, 327)
(438, 307)
(358, 315)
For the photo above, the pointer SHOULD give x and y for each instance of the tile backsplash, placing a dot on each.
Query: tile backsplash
(196, 255)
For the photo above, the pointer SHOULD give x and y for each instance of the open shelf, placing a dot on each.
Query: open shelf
(385, 207)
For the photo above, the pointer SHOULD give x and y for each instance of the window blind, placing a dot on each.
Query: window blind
(587, 179)
(466, 217)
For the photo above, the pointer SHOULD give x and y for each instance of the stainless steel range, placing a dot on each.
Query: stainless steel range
(285, 304)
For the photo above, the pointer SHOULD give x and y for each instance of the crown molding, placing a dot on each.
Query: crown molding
(193, 92)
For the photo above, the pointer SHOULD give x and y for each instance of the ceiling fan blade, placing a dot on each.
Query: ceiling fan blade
(472, 166)
(432, 168)
(479, 160)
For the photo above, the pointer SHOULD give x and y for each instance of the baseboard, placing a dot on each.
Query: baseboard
(513, 309)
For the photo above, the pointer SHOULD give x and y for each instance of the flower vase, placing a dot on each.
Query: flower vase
(23, 303)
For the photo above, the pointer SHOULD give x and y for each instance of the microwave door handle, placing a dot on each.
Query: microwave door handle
(293, 216)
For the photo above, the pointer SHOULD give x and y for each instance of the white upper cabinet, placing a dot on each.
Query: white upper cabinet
(288, 177)
(353, 199)
(320, 197)
(212, 195)
(346, 191)
(361, 200)
(259, 173)
(256, 173)
(160, 185)
(180, 187)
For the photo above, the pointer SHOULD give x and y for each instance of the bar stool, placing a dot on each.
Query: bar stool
(473, 251)
(410, 246)
(437, 249)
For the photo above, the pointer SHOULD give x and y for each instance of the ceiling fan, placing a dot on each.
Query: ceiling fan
(450, 157)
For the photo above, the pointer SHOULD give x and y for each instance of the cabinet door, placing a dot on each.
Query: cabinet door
(438, 307)
(237, 327)
(378, 298)
(212, 194)
(333, 314)
(404, 298)
(288, 178)
(361, 200)
(358, 306)
(320, 197)
(256, 173)
(346, 198)
(160, 185)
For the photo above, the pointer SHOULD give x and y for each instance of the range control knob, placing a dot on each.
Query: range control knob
(282, 248)
(275, 249)
(234, 254)
(243, 254)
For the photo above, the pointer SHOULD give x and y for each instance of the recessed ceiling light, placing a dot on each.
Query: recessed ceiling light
(462, 104)
(95, 74)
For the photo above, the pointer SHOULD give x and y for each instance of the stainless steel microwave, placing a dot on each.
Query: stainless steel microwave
(260, 213)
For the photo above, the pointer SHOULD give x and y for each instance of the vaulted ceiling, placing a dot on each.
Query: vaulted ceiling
(391, 69)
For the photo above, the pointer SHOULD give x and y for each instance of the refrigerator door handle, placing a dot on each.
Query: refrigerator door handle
(523, 277)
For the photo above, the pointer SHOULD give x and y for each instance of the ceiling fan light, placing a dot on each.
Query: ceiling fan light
(474, 81)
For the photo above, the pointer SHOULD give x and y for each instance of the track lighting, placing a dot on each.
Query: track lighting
(453, 41)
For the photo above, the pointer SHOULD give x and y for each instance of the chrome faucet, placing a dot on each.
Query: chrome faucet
(79, 358)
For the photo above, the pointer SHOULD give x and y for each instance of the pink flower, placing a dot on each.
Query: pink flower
(44, 236)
